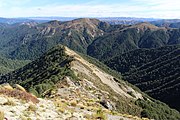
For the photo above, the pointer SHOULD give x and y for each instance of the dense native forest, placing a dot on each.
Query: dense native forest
(155, 71)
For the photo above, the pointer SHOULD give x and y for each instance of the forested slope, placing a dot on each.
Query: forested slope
(155, 71)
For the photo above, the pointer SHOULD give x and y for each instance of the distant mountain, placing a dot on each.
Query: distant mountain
(142, 35)
(18, 20)
(110, 20)
(9, 21)
(172, 23)
(63, 74)
(175, 25)
(29, 41)
(126, 20)
(3, 25)
(53, 18)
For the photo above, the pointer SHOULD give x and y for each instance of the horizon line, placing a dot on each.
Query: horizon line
(86, 17)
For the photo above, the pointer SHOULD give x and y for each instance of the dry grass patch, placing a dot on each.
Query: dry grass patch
(100, 115)
(73, 103)
(32, 108)
(10, 102)
(1, 115)
(19, 95)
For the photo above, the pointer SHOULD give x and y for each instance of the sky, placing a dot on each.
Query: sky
(168, 9)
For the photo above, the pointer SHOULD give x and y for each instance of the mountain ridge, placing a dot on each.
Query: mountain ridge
(60, 63)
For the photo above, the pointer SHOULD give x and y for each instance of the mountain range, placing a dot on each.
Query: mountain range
(23, 40)
(143, 54)
(142, 35)
(174, 23)
(111, 20)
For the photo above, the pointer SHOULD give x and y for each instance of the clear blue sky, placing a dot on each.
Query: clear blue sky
(90, 8)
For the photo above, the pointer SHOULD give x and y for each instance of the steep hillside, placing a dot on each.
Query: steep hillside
(133, 59)
(12, 36)
(64, 75)
(155, 71)
(28, 41)
(160, 78)
(142, 35)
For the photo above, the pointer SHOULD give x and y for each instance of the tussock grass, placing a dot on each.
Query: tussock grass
(19, 95)
(1, 115)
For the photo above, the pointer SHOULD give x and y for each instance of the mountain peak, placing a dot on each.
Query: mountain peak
(87, 20)
(84, 22)
(54, 22)
(145, 26)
